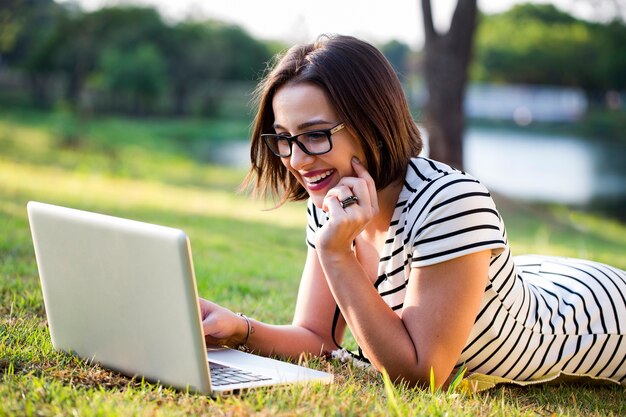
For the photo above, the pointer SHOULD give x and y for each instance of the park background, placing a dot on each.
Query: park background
(143, 111)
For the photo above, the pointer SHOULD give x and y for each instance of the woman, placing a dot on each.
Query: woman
(411, 251)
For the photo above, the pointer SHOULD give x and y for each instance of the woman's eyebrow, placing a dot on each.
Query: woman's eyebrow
(305, 125)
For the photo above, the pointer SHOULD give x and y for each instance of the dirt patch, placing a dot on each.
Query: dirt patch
(94, 377)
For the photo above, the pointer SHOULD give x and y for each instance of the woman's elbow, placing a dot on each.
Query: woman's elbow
(424, 375)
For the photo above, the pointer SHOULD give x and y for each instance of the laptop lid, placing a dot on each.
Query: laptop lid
(121, 293)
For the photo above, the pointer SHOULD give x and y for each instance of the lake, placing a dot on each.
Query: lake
(549, 168)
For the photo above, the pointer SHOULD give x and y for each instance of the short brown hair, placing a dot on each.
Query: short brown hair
(367, 96)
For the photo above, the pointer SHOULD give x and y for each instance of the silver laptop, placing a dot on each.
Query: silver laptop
(122, 293)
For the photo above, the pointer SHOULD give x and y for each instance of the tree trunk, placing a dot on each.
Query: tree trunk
(446, 61)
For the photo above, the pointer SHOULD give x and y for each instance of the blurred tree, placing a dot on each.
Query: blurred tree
(244, 57)
(398, 54)
(22, 24)
(135, 77)
(446, 61)
(205, 55)
(210, 53)
(81, 39)
(10, 24)
(613, 64)
(25, 29)
(189, 54)
(539, 44)
(547, 13)
(130, 52)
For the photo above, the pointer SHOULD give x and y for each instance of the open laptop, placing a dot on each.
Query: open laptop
(123, 294)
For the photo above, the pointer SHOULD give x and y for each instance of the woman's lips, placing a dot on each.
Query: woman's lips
(319, 180)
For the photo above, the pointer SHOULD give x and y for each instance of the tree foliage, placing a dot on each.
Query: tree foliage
(136, 75)
(539, 44)
(398, 54)
(126, 57)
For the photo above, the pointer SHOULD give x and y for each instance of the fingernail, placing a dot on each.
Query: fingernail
(356, 160)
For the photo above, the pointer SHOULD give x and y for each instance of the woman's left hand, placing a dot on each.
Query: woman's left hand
(221, 326)
(345, 223)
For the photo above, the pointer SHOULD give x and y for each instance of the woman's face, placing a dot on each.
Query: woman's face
(301, 108)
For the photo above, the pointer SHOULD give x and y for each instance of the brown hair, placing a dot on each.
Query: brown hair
(366, 94)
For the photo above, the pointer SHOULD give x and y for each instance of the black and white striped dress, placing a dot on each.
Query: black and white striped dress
(539, 315)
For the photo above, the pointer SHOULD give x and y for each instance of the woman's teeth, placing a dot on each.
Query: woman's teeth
(318, 178)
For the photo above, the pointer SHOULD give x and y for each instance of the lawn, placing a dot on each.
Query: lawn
(151, 170)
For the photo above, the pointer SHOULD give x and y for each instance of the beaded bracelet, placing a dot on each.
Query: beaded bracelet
(244, 345)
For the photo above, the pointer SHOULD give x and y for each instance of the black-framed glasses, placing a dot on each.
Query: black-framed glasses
(314, 142)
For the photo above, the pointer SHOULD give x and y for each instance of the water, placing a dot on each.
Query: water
(526, 166)
(548, 168)
(234, 153)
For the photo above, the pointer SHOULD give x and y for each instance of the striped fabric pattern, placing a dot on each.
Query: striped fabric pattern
(539, 315)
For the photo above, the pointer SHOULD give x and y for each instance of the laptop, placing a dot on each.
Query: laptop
(122, 293)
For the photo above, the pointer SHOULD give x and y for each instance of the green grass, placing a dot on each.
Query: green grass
(144, 170)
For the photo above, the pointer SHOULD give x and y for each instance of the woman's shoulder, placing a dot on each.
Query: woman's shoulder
(421, 169)
(447, 214)
(430, 177)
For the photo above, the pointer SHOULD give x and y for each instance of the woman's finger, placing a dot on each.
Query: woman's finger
(359, 188)
(341, 192)
(363, 174)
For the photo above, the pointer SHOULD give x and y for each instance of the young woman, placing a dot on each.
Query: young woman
(411, 252)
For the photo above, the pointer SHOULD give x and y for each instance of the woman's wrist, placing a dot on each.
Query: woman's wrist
(341, 266)
(248, 330)
(335, 258)
(333, 252)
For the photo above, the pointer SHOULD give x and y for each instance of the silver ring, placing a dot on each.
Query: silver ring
(349, 201)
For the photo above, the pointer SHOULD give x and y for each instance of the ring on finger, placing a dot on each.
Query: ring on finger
(349, 201)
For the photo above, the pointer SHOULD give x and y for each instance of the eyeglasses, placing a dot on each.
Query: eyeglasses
(315, 142)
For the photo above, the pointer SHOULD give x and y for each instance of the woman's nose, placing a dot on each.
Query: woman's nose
(298, 158)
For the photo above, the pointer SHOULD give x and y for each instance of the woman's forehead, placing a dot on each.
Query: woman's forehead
(300, 105)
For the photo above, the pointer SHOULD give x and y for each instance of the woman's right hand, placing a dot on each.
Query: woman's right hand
(344, 224)
(221, 326)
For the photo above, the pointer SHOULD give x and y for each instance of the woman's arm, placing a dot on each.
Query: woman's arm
(439, 310)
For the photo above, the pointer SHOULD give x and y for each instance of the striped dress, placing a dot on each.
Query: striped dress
(539, 316)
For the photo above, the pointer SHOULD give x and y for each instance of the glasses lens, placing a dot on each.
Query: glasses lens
(278, 144)
(315, 142)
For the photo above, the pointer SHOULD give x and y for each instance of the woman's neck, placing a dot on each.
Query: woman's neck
(387, 200)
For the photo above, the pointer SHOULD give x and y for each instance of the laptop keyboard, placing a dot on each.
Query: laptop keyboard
(225, 375)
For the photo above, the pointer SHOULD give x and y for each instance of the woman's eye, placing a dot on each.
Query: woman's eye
(316, 135)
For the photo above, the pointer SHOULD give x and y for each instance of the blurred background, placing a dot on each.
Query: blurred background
(542, 91)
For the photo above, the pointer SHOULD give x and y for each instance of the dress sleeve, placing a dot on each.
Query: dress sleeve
(315, 219)
(456, 217)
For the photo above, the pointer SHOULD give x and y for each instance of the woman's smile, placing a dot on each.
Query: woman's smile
(316, 180)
